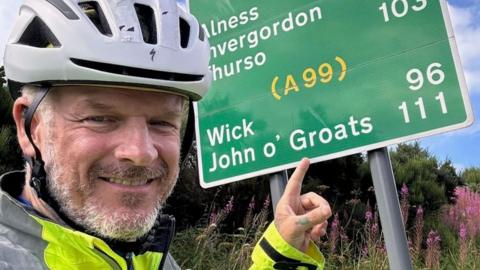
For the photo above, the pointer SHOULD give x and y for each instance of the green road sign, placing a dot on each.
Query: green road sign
(323, 79)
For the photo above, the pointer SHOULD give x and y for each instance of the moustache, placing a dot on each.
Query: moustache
(126, 171)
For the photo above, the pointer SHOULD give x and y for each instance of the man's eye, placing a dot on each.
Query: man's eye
(98, 119)
(162, 124)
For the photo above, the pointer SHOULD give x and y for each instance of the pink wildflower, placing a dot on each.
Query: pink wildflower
(404, 204)
(463, 246)
(227, 209)
(334, 233)
(466, 210)
(368, 214)
(432, 259)
(418, 231)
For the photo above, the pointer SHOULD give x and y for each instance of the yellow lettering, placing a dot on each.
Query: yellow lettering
(274, 90)
(290, 85)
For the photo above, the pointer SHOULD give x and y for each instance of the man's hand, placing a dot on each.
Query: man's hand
(301, 218)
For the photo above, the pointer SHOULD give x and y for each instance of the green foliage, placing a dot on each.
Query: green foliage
(430, 184)
(449, 237)
(2, 76)
(10, 156)
(208, 247)
(471, 177)
(447, 174)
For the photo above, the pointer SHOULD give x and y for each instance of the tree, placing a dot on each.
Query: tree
(430, 184)
(471, 177)
(10, 156)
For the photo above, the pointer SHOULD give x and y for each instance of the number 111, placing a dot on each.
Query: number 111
(421, 107)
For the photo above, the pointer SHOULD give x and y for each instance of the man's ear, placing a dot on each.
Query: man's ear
(20, 107)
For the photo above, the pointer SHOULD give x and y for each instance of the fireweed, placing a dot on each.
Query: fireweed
(404, 204)
(418, 233)
(432, 257)
(466, 210)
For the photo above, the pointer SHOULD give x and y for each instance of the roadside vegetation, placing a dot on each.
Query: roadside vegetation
(446, 239)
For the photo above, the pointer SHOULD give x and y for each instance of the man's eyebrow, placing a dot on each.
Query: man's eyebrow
(93, 104)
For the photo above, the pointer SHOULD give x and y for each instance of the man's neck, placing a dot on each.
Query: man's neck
(39, 205)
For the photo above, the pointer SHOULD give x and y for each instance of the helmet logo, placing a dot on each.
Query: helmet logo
(152, 53)
(131, 29)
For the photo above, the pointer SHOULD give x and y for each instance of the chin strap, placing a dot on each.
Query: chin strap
(38, 179)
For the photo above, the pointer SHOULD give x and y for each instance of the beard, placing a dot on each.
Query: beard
(125, 222)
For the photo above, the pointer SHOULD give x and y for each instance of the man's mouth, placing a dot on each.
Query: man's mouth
(127, 182)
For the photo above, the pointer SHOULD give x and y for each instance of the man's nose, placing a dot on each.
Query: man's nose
(137, 146)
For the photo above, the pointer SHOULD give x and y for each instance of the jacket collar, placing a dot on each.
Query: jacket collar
(157, 240)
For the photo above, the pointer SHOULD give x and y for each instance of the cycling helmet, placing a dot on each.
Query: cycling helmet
(139, 44)
(150, 45)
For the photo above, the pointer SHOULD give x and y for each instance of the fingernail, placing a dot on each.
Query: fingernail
(304, 163)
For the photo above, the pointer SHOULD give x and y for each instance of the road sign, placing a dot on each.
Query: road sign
(323, 79)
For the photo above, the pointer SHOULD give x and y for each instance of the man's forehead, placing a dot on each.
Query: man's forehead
(107, 98)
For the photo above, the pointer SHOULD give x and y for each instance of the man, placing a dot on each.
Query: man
(103, 87)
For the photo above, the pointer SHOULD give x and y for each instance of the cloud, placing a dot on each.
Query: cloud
(8, 12)
(466, 25)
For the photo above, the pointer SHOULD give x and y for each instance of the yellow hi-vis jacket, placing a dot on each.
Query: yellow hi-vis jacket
(30, 241)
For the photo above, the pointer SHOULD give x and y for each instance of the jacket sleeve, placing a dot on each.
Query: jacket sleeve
(273, 252)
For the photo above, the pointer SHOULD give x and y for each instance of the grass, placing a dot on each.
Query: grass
(448, 240)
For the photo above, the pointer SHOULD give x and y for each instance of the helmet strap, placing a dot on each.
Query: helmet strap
(38, 179)
(188, 136)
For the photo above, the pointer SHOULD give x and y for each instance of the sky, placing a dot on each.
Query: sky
(462, 147)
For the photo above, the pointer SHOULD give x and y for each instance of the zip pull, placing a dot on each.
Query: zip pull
(129, 260)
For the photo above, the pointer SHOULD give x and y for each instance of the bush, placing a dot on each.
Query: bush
(471, 177)
(10, 154)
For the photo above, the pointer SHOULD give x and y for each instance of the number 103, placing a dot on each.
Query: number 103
(400, 8)
(421, 107)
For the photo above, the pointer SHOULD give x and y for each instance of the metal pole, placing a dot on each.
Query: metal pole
(389, 207)
(278, 182)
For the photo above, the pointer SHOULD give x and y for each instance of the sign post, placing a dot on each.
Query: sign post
(389, 208)
(278, 182)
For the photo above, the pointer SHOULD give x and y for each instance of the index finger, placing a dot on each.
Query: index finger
(294, 184)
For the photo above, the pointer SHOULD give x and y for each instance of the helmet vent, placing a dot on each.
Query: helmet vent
(37, 34)
(184, 33)
(137, 72)
(94, 12)
(146, 18)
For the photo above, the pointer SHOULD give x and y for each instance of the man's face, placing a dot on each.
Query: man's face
(111, 156)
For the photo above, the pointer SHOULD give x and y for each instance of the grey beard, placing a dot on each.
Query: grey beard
(93, 216)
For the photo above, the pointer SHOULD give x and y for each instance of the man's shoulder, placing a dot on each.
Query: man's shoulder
(15, 256)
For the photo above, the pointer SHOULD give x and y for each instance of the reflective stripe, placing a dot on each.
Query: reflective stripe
(283, 262)
(272, 253)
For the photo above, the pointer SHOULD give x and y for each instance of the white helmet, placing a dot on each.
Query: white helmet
(140, 44)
